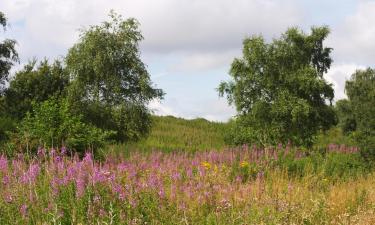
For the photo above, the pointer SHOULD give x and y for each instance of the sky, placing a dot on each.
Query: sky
(189, 45)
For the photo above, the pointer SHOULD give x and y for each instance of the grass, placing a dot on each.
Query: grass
(235, 186)
(189, 176)
(169, 134)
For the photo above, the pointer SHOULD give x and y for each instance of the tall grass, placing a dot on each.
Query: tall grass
(244, 185)
(169, 134)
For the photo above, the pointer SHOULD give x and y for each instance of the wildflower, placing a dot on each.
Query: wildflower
(63, 150)
(23, 210)
(8, 198)
(244, 164)
(206, 165)
(6, 180)
(3, 163)
(41, 152)
(161, 193)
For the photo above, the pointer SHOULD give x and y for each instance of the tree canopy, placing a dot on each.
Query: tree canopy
(34, 83)
(110, 83)
(8, 54)
(359, 110)
(279, 90)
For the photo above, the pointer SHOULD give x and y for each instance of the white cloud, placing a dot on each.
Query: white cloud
(353, 39)
(204, 61)
(168, 25)
(158, 108)
(211, 109)
(338, 74)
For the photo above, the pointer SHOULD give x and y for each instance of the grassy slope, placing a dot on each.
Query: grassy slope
(169, 133)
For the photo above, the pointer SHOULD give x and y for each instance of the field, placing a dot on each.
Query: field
(230, 185)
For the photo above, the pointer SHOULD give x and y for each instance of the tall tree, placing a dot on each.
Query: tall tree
(345, 116)
(361, 94)
(279, 90)
(34, 83)
(110, 82)
(8, 55)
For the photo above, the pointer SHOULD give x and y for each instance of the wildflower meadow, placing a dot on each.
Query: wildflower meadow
(244, 185)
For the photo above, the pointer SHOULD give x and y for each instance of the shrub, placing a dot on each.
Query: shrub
(52, 124)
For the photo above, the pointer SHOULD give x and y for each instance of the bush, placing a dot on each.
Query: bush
(331, 165)
(52, 124)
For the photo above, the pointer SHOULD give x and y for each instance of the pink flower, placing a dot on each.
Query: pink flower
(23, 210)
(3, 164)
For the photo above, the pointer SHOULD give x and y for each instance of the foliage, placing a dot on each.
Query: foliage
(335, 135)
(279, 90)
(8, 54)
(109, 80)
(52, 124)
(335, 166)
(345, 115)
(34, 84)
(7, 125)
(361, 93)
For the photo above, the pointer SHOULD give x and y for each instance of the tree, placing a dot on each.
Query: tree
(345, 116)
(8, 54)
(361, 97)
(110, 83)
(34, 83)
(51, 123)
(279, 90)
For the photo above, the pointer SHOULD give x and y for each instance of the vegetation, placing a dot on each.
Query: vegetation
(235, 186)
(357, 113)
(98, 93)
(279, 90)
(170, 134)
(52, 124)
(8, 54)
(279, 161)
(111, 85)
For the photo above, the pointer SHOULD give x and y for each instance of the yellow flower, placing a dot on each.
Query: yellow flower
(244, 164)
(206, 165)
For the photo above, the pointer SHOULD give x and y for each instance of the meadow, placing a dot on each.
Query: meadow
(229, 185)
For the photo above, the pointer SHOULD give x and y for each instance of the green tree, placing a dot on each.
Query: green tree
(34, 84)
(361, 94)
(279, 90)
(51, 123)
(345, 116)
(110, 83)
(8, 54)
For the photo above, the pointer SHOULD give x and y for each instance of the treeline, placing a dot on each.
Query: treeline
(97, 93)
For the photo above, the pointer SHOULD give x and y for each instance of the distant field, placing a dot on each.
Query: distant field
(169, 133)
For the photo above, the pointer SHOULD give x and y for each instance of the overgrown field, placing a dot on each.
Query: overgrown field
(235, 186)
(170, 134)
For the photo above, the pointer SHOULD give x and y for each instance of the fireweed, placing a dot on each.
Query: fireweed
(240, 185)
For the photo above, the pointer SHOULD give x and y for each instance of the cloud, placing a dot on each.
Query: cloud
(167, 25)
(338, 74)
(210, 109)
(204, 61)
(158, 108)
(353, 39)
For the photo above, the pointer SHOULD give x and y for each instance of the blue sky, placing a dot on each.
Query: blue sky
(189, 44)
